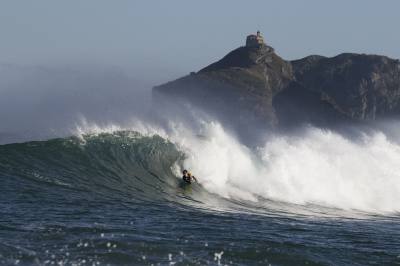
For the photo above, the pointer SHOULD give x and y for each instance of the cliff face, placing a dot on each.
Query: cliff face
(241, 85)
(361, 86)
(257, 84)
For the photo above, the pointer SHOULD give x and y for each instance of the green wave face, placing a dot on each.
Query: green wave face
(119, 165)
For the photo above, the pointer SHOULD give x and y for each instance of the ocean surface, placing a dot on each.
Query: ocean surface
(115, 198)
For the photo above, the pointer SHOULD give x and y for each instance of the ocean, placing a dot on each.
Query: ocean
(114, 197)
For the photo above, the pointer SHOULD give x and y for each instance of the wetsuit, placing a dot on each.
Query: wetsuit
(187, 179)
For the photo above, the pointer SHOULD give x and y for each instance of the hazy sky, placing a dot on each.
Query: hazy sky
(167, 39)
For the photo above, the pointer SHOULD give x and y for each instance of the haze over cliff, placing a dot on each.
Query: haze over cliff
(254, 84)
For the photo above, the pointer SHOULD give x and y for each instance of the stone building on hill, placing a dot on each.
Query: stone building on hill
(255, 40)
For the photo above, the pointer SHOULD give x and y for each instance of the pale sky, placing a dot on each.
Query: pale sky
(167, 39)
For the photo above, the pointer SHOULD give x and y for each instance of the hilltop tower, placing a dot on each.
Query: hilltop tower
(255, 40)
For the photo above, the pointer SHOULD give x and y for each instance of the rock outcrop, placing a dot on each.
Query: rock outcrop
(255, 84)
(241, 85)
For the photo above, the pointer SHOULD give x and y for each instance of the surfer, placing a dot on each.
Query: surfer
(188, 177)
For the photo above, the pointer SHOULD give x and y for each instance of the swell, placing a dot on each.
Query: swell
(122, 165)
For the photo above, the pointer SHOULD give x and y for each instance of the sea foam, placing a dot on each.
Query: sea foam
(317, 167)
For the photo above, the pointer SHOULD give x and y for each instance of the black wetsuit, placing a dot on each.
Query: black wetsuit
(187, 179)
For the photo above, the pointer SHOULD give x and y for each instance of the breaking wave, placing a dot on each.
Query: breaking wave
(317, 167)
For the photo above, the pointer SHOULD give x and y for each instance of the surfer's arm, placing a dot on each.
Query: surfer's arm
(195, 179)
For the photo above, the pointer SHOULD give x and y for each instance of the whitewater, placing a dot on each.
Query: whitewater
(317, 166)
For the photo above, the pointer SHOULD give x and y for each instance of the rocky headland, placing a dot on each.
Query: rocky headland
(254, 84)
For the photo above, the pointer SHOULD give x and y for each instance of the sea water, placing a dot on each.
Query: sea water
(111, 196)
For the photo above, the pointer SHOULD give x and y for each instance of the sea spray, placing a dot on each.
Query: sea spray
(317, 167)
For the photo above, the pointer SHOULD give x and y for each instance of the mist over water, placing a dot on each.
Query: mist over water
(118, 163)
(41, 102)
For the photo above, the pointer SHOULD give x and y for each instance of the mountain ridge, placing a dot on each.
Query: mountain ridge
(255, 83)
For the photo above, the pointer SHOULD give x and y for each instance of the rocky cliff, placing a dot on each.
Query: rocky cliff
(255, 84)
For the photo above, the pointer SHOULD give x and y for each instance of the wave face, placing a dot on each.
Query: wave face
(122, 165)
(115, 198)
